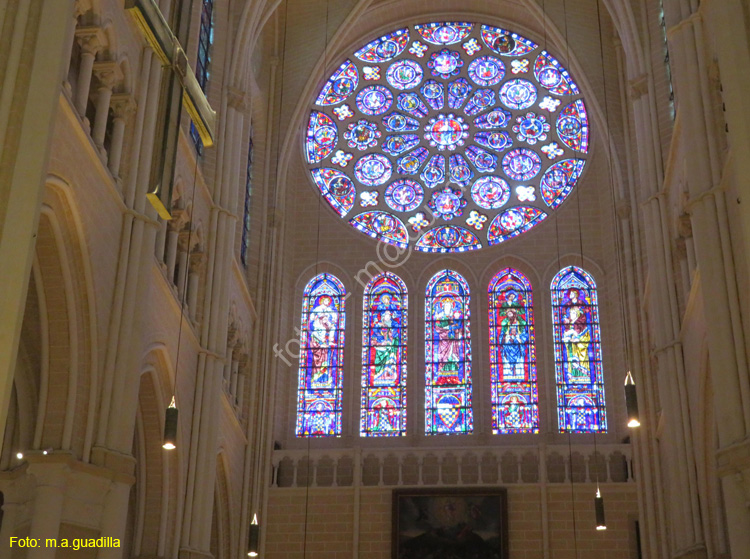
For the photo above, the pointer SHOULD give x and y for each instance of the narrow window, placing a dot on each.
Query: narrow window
(320, 379)
(447, 355)
(383, 403)
(203, 60)
(578, 353)
(515, 398)
(248, 198)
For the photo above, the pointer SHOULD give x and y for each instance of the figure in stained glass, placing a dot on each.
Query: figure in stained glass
(383, 398)
(580, 385)
(448, 355)
(319, 397)
(449, 104)
(512, 357)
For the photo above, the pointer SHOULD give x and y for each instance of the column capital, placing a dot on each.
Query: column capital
(623, 208)
(108, 73)
(179, 218)
(684, 226)
(90, 38)
(238, 100)
(735, 459)
(638, 87)
(123, 105)
(197, 261)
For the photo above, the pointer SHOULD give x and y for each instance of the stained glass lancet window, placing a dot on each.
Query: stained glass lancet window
(383, 401)
(447, 355)
(248, 198)
(205, 41)
(515, 398)
(578, 353)
(319, 392)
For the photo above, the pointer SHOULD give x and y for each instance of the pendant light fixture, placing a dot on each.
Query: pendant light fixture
(631, 401)
(170, 427)
(253, 538)
(601, 523)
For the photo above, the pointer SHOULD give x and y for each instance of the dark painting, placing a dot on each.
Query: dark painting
(450, 524)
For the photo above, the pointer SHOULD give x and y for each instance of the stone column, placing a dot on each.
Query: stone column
(197, 261)
(68, 48)
(50, 474)
(108, 74)
(160, 245)
(123, 107)
(114, 517)
(91, 42)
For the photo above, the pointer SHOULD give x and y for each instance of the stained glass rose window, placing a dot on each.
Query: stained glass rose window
(448, 136)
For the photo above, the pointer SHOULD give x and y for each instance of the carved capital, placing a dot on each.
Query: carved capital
(735, 460)
(108, 73)
(179, 218)
(123, 105)
(197, 262)
(623, 208)
(684, 226)
(638, 87)
(238, 100)
(91, 39)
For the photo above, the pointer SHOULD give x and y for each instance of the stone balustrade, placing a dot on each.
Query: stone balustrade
(471, 466)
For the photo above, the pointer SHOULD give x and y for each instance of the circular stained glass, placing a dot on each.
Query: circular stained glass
(404, 195)
(404, 74)
(490, 193)
(424, 121)
(486, 70)
(446, 131)
(521, 164)
(445, 63)
(373, 169)
(374, 100)
(550, 77)
(518, 94)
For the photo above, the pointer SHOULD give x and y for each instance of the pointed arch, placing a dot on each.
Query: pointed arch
(514, 392)
(578, 354)
(448, 355)
(384, 322)
(320, 379)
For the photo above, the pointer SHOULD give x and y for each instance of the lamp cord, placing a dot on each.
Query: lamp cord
(185, 280)
(308, 481)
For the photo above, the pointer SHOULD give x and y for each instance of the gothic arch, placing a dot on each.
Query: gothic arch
(157, 472)
(60, 337)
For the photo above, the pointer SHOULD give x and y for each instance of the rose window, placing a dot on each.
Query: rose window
(449, 136)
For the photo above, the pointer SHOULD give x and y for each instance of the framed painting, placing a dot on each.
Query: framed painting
(450, 523)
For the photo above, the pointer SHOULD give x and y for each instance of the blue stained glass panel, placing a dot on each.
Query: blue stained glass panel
(385, 48)
(448, 355)
(433, 92)
(458, 91)
(444, 33)
(514, 392)
(320, 378)
(383, 396)
(578, 354)
(374, 100)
